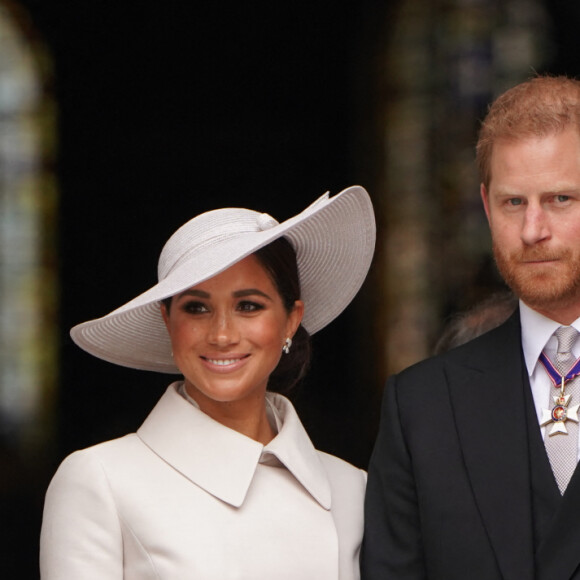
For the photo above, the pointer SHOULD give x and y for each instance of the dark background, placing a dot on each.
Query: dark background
(167, 109)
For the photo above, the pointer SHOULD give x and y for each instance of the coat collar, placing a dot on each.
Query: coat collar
(293, 448)
(486, 383)
(223, 461)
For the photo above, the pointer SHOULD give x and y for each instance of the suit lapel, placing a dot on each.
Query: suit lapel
(487, 395)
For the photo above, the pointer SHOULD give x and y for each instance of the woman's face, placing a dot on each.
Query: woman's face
(227, 333)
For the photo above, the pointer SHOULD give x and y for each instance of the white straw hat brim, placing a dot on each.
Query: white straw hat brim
(334, 239)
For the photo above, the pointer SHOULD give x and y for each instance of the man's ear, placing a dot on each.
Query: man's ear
(485, 200)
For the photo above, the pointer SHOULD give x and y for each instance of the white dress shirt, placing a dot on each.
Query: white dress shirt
(537, 336)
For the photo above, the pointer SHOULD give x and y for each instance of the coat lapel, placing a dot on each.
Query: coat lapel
(546, 498)
(212, 456)
(487, 395)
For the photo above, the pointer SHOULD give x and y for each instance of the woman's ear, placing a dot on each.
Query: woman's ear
(164, 314)
(295, 318)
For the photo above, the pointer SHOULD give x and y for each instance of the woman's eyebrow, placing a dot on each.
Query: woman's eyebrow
(250, 292)
(196, 293)
(237, 294)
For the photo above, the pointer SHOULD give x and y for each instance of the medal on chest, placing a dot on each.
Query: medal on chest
(561, 411)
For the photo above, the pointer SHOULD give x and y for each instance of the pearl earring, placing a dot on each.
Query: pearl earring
(287, 345)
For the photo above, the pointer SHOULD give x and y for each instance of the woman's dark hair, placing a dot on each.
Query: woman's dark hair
(279, 260)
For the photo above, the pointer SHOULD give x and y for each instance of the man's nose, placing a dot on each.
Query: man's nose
(536, 227)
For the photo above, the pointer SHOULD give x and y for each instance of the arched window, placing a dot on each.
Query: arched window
(28, 273)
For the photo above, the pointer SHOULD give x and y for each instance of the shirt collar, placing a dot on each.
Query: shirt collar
(179, 433)
(537, 331)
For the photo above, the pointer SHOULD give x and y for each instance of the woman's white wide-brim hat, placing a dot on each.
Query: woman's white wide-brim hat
(334, 240)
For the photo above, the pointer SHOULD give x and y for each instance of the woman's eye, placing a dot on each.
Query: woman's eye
(195, 307)
(247, 306)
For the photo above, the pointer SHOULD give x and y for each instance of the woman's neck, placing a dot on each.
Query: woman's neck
(247, 416)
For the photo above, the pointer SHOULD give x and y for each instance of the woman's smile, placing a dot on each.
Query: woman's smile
(233, 362)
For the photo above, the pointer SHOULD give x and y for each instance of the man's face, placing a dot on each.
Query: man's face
(533, 208)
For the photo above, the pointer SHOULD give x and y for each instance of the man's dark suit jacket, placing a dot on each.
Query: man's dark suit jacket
(460, 486)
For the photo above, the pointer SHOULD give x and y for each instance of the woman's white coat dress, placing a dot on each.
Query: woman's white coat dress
(186, 497)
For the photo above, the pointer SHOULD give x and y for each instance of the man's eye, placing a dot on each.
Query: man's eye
(515, 201)
(562, 198)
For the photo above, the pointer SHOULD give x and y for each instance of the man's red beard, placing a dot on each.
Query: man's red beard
(553, 287)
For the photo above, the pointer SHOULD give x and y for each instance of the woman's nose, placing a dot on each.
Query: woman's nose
(223, 330)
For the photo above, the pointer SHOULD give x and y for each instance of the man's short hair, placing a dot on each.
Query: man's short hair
(541, 106)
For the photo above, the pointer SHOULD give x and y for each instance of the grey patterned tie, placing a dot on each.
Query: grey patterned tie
(562, 449)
